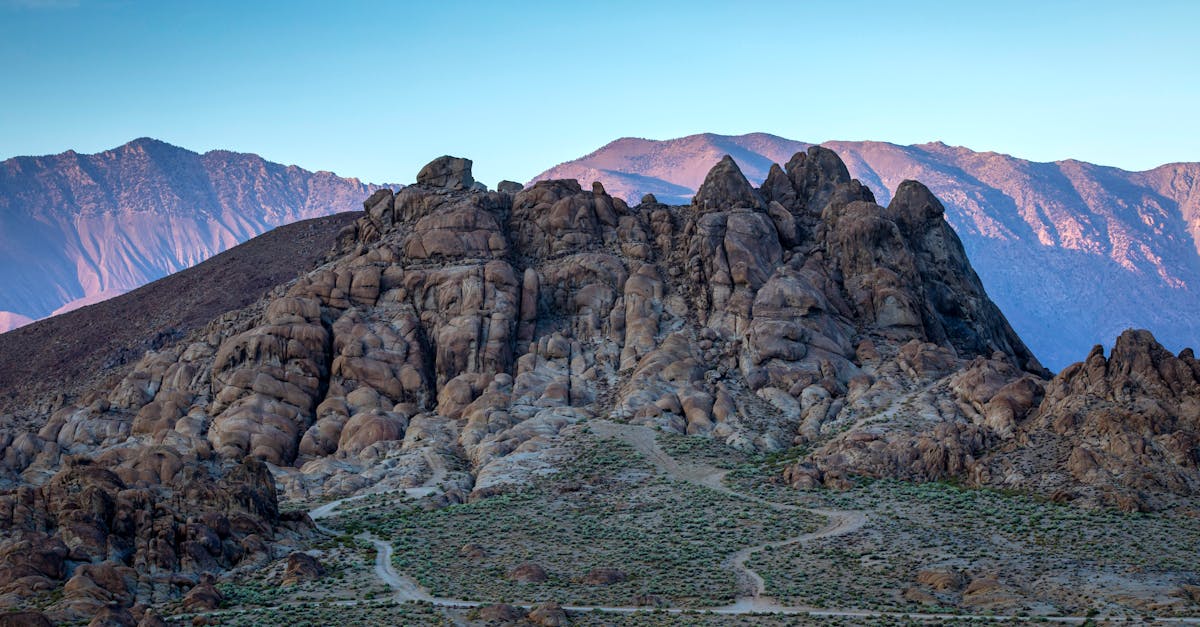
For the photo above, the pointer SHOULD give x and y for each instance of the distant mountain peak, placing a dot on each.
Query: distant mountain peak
(141, 142)
(78, 226)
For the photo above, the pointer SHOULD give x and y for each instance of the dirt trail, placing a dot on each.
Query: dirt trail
(644, 441)
(840, 522)
(406, 589)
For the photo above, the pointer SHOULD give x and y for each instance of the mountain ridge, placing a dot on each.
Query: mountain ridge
(76, 226)
(1038, 239)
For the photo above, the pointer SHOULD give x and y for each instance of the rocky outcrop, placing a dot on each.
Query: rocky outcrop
(24, 619)
(1118, 432)
(302, 567)
(725, 187)
(922, 414)
(449, 172)
(501, 613)
(548, 614)
(1038, 233)
(267, 382)
(905, 270)
(134, 534)
(446, 303)
(528, 572)
(204, 597)
(1122, 431)
(603, 577)
(454, 334)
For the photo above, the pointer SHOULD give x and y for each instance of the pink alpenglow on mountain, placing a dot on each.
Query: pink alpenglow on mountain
(10, 321)
(75, 229)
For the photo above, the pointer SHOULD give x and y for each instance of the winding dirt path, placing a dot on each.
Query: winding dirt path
(406, 589)
(840, 522)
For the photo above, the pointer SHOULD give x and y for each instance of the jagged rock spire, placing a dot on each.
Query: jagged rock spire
(914, 205)
(815, 175)
(810, 182)
(725, 187)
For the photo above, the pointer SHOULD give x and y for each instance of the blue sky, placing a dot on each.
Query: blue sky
(376, 89)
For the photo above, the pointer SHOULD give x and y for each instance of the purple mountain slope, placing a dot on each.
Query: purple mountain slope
(75, 229)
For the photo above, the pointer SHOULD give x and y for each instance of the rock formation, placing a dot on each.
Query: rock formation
(150, 529)
(1122, 430)
(1038, 233)
(1118, 432)
(449, 172)
(454, 332)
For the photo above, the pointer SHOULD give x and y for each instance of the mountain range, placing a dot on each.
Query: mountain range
(1072, 252)
(76, 229)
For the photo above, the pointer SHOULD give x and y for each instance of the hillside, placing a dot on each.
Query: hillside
(81, 349)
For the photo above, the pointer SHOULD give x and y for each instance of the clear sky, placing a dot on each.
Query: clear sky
(376, 89)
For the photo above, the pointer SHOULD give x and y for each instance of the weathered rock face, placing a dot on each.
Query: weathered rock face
(132, 534)
(956, 309)
(905, 270)
(1038, 233)
(510, 187)
(453, 333)
(918, 413)
(1122, 431)
(1119, 432)
(267, 381)
(302, 567)
(449, 172)
(501, 317)
(725, 187)
(204, 597)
